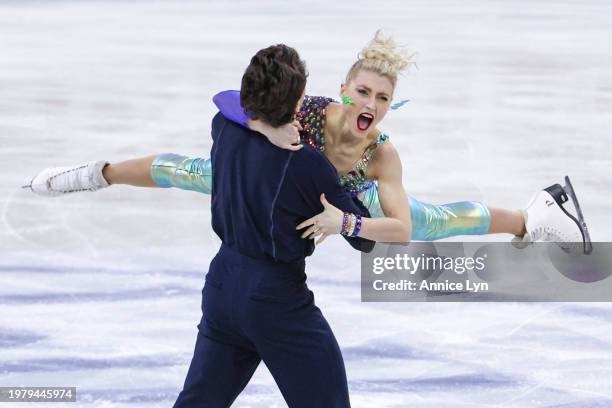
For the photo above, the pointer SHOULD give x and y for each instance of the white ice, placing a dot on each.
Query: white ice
(102, 290)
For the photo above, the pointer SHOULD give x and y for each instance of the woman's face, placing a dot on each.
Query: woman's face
(371, 94)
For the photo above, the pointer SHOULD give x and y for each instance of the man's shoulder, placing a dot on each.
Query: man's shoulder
(309, 154)
(218, 124)
(219, 120)
(309, 160)
(222, 124)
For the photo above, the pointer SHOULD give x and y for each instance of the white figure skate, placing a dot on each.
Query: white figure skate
(548, 220)
(57, 181)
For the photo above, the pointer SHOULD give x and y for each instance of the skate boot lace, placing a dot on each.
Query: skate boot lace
(70, 179)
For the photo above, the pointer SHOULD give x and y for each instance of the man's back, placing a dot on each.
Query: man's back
(261, 192)
(256, 304)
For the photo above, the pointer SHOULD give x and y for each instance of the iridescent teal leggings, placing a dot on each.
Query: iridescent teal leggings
(429, 222)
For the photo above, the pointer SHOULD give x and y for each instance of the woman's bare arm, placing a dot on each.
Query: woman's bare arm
(396, 226)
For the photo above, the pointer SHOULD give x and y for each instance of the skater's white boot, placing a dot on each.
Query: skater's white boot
(56, 181)
(548, 220)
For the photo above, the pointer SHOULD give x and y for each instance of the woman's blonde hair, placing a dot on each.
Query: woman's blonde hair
(383, 56)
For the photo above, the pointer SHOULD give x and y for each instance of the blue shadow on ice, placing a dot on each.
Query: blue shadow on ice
(462, 381)
(134, 396)
(593, 403)
(387, 350)
(77, 363)
(75, 297)
(72, 270)
(12, 338)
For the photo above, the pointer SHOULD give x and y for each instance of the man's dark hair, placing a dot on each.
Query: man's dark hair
(273, 84)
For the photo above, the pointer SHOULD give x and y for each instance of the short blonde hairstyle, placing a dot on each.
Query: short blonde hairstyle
(383, 56)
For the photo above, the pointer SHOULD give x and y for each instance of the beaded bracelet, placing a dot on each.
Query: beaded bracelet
(351, 225)
(357, 225)
(345, 223)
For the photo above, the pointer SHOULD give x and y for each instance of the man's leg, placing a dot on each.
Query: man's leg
(223, 360)
(300, 350)
(217, 374)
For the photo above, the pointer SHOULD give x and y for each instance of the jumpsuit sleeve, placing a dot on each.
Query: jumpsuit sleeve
(315, 175)
(339, 198)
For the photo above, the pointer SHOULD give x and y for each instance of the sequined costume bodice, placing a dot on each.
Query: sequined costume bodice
(312, 118)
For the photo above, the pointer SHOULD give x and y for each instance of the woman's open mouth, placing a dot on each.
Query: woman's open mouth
(364, 121)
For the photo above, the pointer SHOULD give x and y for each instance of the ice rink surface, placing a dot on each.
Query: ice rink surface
(102, 290)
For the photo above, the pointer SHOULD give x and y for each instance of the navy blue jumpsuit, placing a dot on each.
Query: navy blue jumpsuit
(255, 302)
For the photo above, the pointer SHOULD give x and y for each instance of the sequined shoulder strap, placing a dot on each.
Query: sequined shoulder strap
(356, 180)
(312, 118)
(371, 151)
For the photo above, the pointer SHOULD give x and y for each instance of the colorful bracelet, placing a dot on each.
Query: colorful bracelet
(351, 225)
(357, 225)
(345, 223)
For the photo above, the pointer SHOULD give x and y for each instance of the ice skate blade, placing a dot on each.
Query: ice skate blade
(29, 185)
(569, 189)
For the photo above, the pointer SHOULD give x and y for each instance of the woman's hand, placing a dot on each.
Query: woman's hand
(324, 224)
(285, 136)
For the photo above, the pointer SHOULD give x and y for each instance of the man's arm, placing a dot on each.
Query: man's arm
(316, 175)
(338, 197)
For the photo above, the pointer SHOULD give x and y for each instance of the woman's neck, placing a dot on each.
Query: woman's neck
(337, 129)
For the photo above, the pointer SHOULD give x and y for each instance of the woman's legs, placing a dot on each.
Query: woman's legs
(163, 170)
(506, 221)
(134, 172)
(432, 222)
(429, 221)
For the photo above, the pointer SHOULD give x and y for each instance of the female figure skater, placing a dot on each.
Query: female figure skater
(367, 163)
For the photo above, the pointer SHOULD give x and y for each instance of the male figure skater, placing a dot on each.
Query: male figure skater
(256, 305)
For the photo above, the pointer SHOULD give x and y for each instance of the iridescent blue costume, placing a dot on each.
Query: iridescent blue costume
(429, 222)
